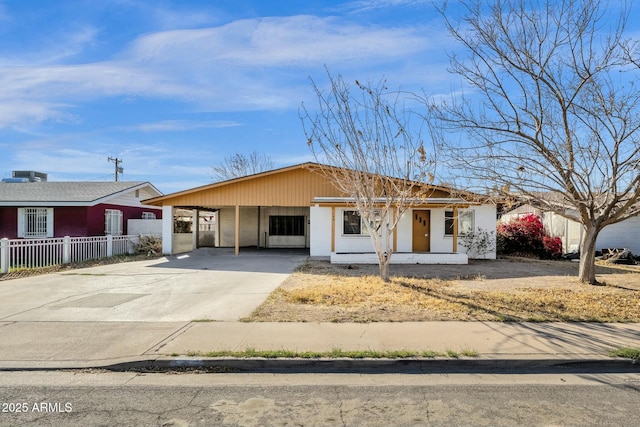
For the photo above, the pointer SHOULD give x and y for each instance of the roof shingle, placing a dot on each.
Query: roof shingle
(72, 192)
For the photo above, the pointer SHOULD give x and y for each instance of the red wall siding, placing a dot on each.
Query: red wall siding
(95, 217)
(8, 222)
(74, 221)
(70, 221)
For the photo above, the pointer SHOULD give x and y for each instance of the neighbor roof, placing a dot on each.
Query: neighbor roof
(67, 193)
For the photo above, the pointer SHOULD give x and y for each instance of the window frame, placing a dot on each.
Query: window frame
(43, 216)
(109, 215)
(364, 231)
(467, 215)
(350, 227)
(293, 225)
(448, 223)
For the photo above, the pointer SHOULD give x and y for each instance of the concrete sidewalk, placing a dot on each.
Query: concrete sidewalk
(55, 345)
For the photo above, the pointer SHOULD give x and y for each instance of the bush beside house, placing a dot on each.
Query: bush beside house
(526, 235)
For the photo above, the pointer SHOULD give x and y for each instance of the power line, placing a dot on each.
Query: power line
(117, 161)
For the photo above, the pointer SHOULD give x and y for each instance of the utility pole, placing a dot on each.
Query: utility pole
(117, 161)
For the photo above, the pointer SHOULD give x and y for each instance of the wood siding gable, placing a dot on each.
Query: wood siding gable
(292, 187)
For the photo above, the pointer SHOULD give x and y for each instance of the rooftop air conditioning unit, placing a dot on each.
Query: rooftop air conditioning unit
(32, 176)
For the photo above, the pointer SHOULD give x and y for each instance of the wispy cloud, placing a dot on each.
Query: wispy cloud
(169, 17)
(182, 125)
(280, 42)
(215, 69)
(55, 48)
(365, 5)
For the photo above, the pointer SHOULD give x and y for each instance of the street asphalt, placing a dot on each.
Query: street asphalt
(163, 310)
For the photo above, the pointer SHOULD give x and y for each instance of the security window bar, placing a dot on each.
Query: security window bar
(280, 225)
(35, 222)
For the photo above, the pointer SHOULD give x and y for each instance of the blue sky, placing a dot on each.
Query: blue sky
(174, 87)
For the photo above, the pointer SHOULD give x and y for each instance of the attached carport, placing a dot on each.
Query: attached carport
(268, 209)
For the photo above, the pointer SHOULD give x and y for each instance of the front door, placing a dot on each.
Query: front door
(421, 231)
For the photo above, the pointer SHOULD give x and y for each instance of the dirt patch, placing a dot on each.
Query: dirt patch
(510, 289)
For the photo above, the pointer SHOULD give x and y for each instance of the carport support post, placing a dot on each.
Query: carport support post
(167, 230)
(195, 227)
(237, 230)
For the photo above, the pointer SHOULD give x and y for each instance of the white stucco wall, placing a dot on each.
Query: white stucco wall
(404, 230)
(145, 227)
(167, 230)
(439, 242)
(484, 217)
(320, 231)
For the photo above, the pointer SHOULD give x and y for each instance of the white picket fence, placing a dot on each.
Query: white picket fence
(34, 253)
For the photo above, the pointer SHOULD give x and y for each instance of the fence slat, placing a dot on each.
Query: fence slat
(34, 253)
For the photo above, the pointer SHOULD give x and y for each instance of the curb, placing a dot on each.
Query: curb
(354, 366)
(382, 366)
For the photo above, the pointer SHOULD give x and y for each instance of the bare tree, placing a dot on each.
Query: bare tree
(239, 165)
(368, 152)
(553, 115)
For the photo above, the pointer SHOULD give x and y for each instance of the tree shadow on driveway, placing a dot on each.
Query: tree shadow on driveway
(280, 261)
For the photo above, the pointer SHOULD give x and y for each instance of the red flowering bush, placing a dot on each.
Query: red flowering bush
(526, 235)
(552, 246)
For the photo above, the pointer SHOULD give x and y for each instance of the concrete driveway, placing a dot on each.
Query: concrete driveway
(206, 284)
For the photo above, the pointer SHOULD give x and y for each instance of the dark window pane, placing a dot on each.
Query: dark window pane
(281, 225)
(448, 223)
(351, 223)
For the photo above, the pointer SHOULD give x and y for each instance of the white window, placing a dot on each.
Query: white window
(465, 222)
(353, 224)
(35, 222)
(113, 222)
(148, 215)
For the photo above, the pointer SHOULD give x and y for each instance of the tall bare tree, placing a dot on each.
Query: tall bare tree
(238, 165)
(361, 137)
(553, 114)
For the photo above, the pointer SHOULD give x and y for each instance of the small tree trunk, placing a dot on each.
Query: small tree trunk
(384, 270)
(587, 271)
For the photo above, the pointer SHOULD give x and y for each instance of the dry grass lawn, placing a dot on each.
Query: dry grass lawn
(501, 290)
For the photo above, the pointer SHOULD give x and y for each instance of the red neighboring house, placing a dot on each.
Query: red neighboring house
(76, 209)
